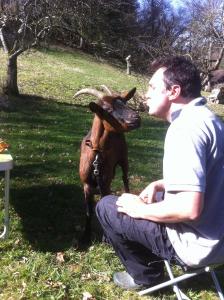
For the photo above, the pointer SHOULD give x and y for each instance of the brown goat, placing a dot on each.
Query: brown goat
(217, 76)
(105, 147)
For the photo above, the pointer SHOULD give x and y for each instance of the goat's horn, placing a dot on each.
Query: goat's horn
(90, 91)
(106, 89)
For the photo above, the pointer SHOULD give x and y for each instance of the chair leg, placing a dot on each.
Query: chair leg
(173, 282)
(180, 295)
(217, 285)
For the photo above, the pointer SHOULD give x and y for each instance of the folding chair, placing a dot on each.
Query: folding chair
(174, 280)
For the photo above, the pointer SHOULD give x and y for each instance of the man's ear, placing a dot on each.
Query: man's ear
(174, 92)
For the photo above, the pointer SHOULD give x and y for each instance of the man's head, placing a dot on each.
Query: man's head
(181, 71)
(176, 80)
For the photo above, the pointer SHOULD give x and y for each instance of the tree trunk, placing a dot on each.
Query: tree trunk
(11, 85)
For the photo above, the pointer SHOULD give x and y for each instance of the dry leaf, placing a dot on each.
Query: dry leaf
(17, 242)
(86, 276)
(54, 284)
(74, 268)
(24, 259)
(60, 257)
(88, 296)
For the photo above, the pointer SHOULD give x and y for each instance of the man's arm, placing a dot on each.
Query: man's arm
(179, 207)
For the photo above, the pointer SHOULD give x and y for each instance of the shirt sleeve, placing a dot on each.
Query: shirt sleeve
(184, 164)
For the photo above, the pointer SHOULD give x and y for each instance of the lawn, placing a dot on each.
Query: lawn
(44, 128)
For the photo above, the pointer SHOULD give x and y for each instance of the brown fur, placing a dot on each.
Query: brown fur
(107, 139)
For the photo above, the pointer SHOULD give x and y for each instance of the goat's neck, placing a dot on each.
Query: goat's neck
(98, 134)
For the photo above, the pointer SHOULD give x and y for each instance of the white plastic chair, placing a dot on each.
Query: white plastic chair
(188, 274)
(6, 164)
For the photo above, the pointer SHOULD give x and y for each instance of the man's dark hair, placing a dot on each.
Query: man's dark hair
(180, 70)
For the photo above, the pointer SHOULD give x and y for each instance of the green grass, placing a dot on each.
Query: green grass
(46, 199)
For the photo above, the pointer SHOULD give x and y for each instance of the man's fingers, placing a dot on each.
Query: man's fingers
(144, 199)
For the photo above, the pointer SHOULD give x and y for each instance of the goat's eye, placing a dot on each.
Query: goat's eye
(107, 107)
(119, 104)
(120, 101)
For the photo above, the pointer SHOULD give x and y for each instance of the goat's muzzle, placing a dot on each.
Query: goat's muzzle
(128, 118)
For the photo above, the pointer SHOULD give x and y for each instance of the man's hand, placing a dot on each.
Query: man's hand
(131, 205)
(150, 193)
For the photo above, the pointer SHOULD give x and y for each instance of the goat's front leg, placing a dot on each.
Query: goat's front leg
(89, 204)
(124, 167)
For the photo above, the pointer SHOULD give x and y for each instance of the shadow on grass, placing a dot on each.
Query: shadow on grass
(52, 213)
(51, 216)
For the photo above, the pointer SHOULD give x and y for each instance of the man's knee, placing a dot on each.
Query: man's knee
(105, 205)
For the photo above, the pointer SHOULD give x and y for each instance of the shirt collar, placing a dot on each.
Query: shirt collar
(195, 102)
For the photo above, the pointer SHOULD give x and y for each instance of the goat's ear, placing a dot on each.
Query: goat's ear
(129, 94)
(94, 107)
(105, 116)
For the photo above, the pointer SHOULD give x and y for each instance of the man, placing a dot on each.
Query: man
(187, 226)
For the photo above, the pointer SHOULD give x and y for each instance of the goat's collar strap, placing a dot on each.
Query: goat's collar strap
(89, 144)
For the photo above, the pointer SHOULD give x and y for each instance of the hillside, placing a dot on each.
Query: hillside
(59, 73)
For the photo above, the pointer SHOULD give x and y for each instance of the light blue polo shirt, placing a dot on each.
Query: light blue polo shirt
(194, 161)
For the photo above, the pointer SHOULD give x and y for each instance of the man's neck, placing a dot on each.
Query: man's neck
(176, 107)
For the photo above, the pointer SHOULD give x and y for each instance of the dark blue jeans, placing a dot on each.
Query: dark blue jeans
(140, 244)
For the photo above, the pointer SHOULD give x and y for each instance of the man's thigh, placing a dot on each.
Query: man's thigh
(150, 234)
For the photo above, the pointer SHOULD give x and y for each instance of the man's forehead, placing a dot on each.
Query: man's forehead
(158, 75)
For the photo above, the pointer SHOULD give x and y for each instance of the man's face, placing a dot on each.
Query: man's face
(158, 96)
